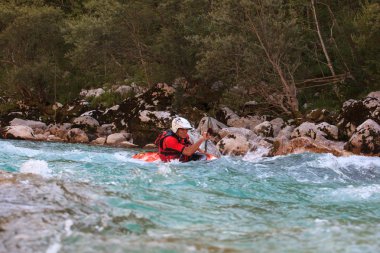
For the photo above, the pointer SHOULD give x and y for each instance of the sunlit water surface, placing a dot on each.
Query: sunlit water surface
(77, 198)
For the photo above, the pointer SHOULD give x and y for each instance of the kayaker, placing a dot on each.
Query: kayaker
(175, 143)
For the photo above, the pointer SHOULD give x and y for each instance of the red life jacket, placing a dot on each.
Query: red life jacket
(167, 154)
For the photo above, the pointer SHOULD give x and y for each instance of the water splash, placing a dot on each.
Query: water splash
(100, 198)
(36, 167)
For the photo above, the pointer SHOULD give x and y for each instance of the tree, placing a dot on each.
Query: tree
(254, 45)
(31, 50)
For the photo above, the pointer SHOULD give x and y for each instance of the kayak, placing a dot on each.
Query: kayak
(154, 156)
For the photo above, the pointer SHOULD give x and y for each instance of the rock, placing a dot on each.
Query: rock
(286, 132)
(233, 144)
(30, 123)
(224, 114)
(54, 138)
(76, 135)
(59, 130)
(18, 132)
(117, 138)
(40, 137)
(277, 125)
(308, 129)
(305, 144)
(86, 121)
(355, 112)
(330, 131)
(124, 90)
(127, 144)
(248, 134)
(105, 129)
(249, 122)
(92, 93)
(366, 139)
(374, 94)
(209, 123)
(264, 129)
(99, 141)
(319, 115)
(346, 130)
(168, 90)
(160, 119)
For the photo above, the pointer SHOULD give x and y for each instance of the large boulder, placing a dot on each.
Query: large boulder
(355, 112)
(307, 129)
(374, 94)
(277, 124)
(92, 93)
(87, 121)
(30, 123)
(234, 144)
(319, 115)
(249, 134)
(366, 139)
(299, 145)
(209, 124)
(264, 129)
(249, 122)
(18, 132)
(105, 130)
(225, 114)
(77, 135)
(118, 138)
(329, 131)
(59, 130)
(145, 115)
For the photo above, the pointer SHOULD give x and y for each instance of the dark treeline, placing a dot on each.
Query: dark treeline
(279, 53)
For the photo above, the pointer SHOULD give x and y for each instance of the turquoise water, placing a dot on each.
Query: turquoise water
(95, 199)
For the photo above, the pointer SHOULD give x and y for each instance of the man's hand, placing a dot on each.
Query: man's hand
(206, 136)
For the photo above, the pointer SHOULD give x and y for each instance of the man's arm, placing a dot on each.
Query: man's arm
(191, 149)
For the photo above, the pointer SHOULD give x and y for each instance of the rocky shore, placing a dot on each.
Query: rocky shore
(136, 122)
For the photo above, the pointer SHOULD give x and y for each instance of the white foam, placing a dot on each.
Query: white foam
(361, 192)
(36, 167)
(68, 224)
(8, 148)
(343, 162)
(54, 248)
(164, 169)
(256, 155)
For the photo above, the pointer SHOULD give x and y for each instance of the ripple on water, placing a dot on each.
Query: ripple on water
(98, 199)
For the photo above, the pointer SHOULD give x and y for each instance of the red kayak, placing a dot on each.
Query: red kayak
(153, 157)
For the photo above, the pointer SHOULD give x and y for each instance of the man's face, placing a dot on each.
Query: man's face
(182, 133)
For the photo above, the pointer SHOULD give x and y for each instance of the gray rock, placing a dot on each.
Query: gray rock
(30, 123)
(86, 121)
(264, 129)
(19, 132)
(234, 144)
(117, 138)
(77, 135)
(330, 131)
(308, 129)
(366, 139)
(209, 122)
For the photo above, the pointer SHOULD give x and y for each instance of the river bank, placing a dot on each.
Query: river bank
(136, 122)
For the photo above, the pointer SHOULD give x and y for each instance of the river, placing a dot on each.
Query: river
(59, 197)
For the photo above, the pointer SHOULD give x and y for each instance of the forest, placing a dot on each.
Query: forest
(287, 55)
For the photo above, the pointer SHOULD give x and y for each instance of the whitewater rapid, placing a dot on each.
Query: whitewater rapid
(57, 197)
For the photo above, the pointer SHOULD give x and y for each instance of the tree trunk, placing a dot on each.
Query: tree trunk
(329, 63)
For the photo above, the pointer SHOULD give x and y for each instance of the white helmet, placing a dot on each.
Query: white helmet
(180, 123)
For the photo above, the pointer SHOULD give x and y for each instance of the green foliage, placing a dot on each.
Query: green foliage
(51, 49)
(367, 37)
